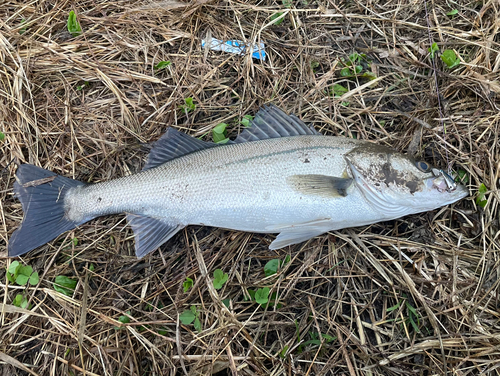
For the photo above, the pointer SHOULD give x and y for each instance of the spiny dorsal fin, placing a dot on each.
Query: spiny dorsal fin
(271, 122)
(150, 233)
(320, 185)
(174, 144)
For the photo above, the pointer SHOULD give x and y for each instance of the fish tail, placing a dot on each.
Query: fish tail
(41, 193)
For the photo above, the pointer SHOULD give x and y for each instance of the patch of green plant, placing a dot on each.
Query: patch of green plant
(219, 133)
(20, 274)
(2, 136)
(65, 285)
(21, 302)
(191, 316)
(452, 12)
(356, 65)
(162, 64)
(124, 320)
(287, 3)
(273, 265)
(73, 25)
(481, 192)
(283, 352)
(314, 65)
(188, 105)
(245, 121)
(316, 340)
(462, 177)
(450, 58)
(23, 29)
(81, 87)
(262, 295)
(188, 283)
(226, 302)
(219, 278)
(276, 17)
(433, 49)
(337, 91)
(412, 317)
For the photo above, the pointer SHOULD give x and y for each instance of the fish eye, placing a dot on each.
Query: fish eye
(423, 166)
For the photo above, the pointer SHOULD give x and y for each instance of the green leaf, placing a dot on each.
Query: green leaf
(2, 136)
(287, 259)
(189, 105)
(162, 64)
(328, 338)
(124, 319)
(480, 196)
(277, 15)
(287, 3)
(13, 267)
(251, 292)
(73, 26)
(219, 278)
(390, 309)
(187, 317)
(34, 279)
(188, 283)
(11, 278)
(219, 133)
(339, 90)
(197, 324)
(370, 75)
(462, 177)
(262, 295)
(358, 69)
(26, 270)
(65, 285)
(75, 241)
(245, 121)
(452, 12)
(450, 58)
(433, 49)
(271, 267)
(20, 301)
(23, 29)
(314, 65)
(22, 279)
(346, 72)
(226, 302)
(283, 352)
(91, 267)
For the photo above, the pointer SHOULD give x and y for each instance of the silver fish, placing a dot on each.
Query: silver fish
(278, 176)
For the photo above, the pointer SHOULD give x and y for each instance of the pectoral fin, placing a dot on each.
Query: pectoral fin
(320, 185)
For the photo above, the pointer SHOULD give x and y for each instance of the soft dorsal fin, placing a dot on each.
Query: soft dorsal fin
(271, 122)
(173, 144)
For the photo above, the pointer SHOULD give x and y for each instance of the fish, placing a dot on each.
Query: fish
(279, 176)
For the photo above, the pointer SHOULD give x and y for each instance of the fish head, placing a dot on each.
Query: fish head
(398, 185)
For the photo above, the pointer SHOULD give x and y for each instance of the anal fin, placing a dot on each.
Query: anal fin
(150, 233)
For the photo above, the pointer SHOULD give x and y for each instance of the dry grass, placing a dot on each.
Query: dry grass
(84, 107)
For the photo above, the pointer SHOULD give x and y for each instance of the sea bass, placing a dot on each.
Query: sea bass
(278, 176)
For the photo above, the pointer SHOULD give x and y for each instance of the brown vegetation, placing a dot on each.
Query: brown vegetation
(86, 106)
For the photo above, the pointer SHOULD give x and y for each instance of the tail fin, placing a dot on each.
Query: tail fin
(41, 193)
